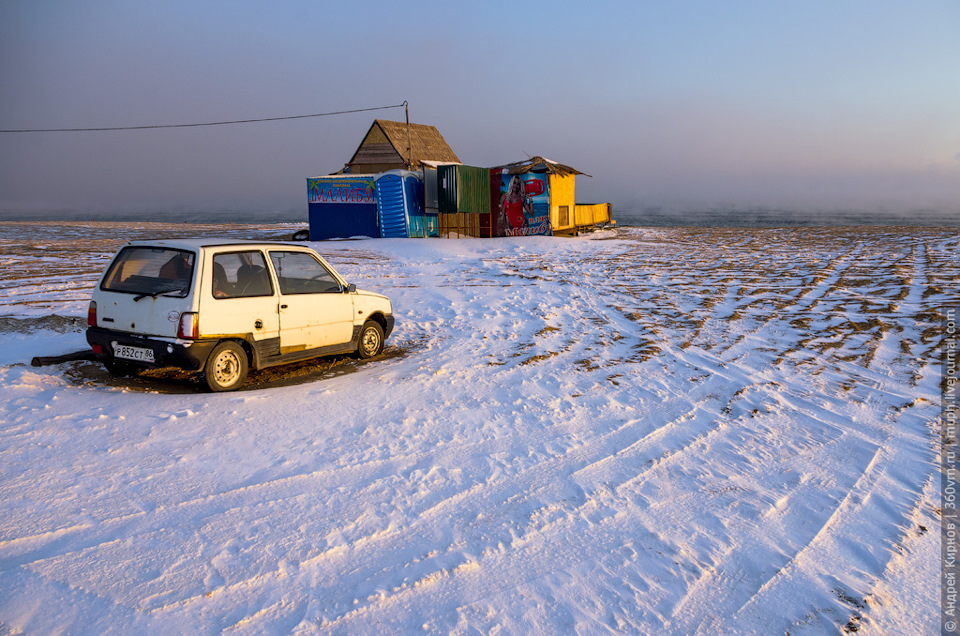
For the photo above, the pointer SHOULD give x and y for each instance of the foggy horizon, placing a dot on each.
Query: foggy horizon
(813, 108)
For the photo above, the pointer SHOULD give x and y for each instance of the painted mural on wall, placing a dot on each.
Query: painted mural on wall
(341, 190)
(523, 205)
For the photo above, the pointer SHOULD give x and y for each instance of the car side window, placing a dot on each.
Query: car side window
(240, 275)
(301, 273)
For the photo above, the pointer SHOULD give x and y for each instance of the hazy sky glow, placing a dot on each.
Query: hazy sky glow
(815, 104)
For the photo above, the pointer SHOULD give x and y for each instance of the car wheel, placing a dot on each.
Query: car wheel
(226, 368)
(371, 340)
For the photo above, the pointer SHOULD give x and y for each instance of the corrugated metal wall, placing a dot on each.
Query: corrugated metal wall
(463, 189)
(473, 189)
(447, 188)
(463, 194)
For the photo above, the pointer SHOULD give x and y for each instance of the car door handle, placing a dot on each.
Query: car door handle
(283, 306)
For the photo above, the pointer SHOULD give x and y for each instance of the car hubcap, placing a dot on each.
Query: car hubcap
(226, 369)
(371, 341)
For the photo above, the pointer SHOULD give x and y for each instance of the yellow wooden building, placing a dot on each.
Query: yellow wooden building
(566, 216)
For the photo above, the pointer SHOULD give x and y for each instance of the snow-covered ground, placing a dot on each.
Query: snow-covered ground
(669, 431)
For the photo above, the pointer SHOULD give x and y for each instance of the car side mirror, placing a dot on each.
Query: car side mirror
(351, 288)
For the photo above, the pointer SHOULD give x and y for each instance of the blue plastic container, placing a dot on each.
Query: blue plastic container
(400, 213)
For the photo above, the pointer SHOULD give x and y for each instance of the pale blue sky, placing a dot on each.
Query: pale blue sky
(816, 103)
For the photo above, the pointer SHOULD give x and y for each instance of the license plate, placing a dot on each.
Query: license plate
(139, 354)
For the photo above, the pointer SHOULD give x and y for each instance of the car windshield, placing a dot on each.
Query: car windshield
(150, 271)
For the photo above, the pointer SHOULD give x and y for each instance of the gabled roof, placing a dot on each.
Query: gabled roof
(426, 142)
(539, 164)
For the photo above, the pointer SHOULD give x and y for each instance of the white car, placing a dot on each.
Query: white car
(223, 307)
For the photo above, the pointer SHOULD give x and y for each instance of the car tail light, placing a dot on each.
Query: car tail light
(98, 349)
(92, 314)
(189, 326)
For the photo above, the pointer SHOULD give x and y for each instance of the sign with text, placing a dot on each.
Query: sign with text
(344, 189)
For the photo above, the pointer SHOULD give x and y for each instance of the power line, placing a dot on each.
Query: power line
(213, 123)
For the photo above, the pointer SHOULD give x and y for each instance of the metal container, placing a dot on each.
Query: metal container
(342, 206)
(463, 189)
(473, 190)
(447, 188)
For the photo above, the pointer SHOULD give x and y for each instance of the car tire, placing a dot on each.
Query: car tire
(371, 340)
(301, 235)
(226, 367)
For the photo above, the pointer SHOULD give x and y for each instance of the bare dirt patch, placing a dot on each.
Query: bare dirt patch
(60, 324)
(176, 381)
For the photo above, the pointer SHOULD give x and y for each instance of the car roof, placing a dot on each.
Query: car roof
(199, 243)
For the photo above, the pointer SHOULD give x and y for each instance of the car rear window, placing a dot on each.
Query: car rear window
(150, 271)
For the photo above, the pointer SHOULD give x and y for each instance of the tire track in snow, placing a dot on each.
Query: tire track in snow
(539, 504)
(828, 281)
(540, 510)
(876, 505)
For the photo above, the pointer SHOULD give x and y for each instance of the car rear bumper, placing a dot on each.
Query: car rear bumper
(187, 355)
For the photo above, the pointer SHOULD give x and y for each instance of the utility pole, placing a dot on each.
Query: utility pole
(406, 110)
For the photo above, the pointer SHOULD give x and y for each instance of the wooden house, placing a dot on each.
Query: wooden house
(392, 145)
